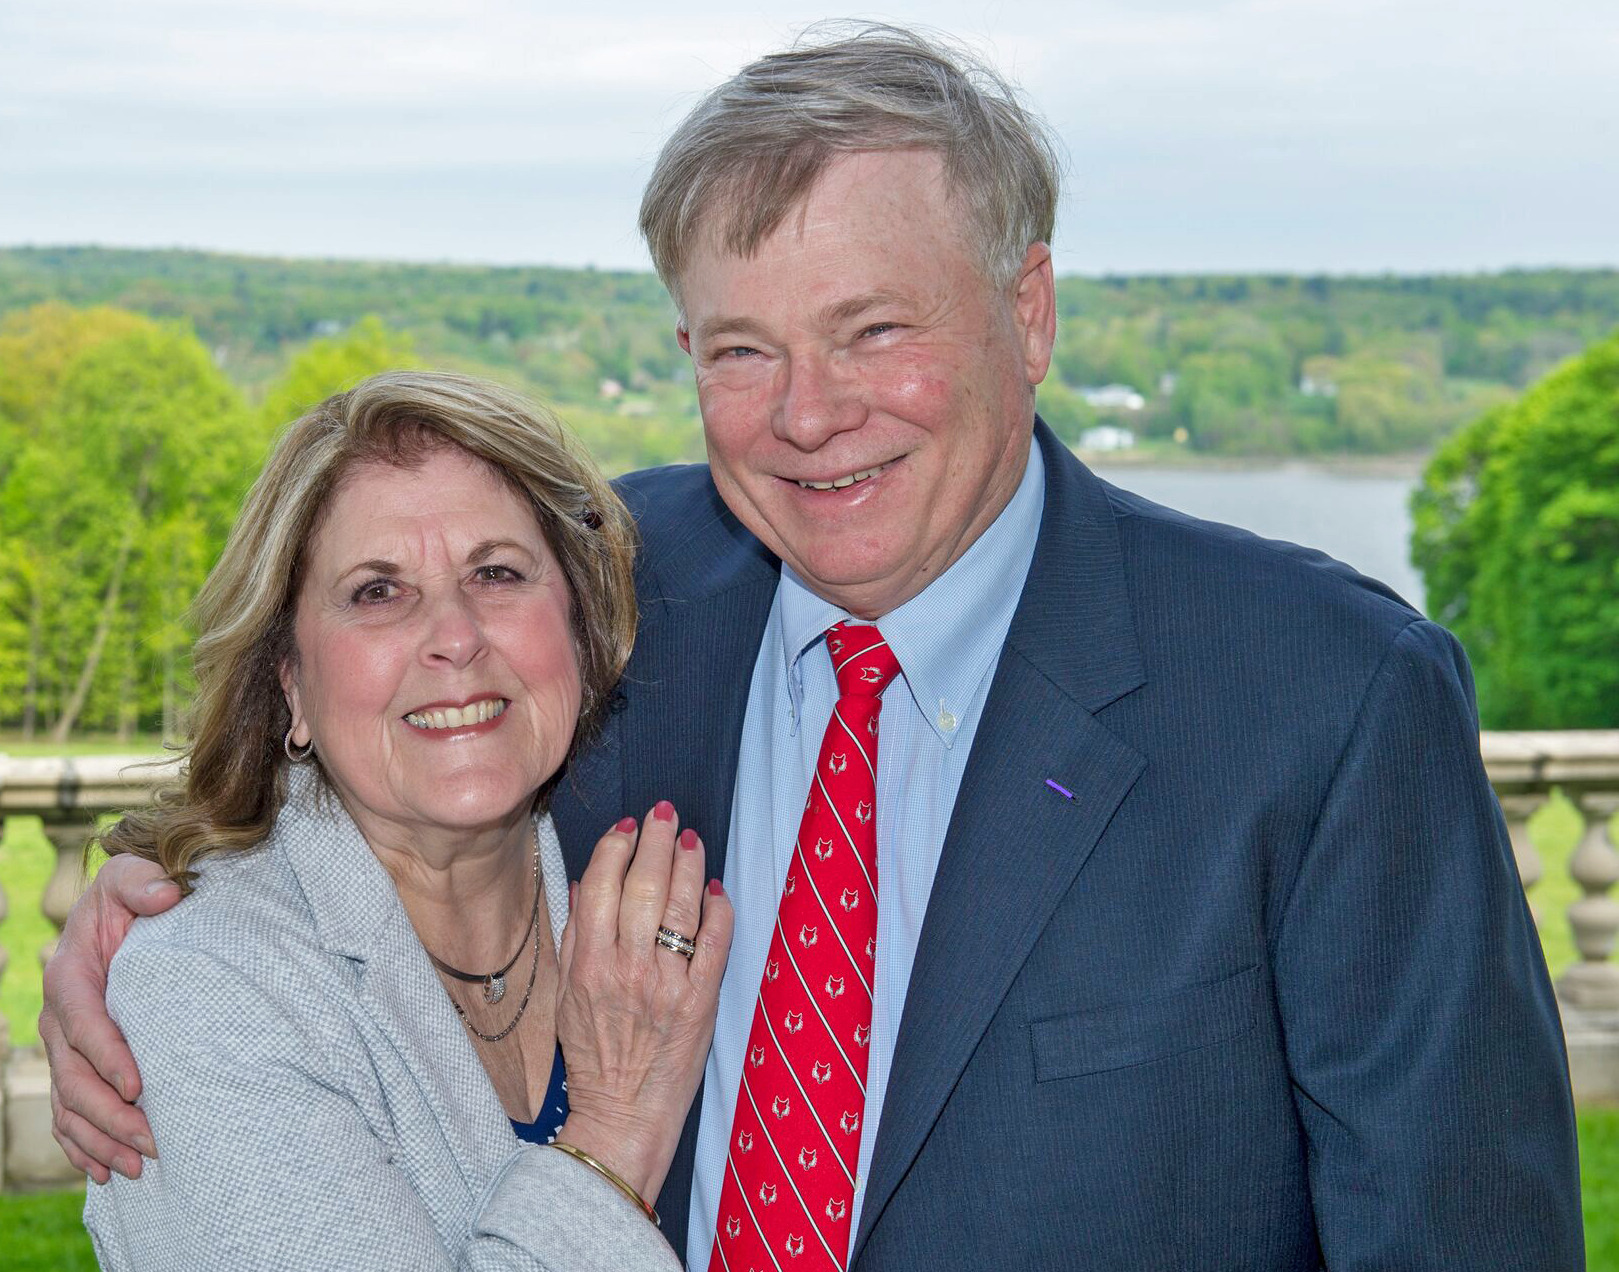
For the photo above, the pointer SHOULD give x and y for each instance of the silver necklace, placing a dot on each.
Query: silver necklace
(494, 983)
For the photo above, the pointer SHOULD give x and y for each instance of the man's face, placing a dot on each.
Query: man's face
(867, 394)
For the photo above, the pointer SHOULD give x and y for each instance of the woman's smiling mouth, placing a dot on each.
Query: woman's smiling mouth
(468, 715)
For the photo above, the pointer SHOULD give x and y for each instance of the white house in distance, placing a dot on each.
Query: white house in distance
(1106, 437)
(1112, 397)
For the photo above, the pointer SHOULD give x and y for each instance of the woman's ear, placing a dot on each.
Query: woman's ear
(289, 691)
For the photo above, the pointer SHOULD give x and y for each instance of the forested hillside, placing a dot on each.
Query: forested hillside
(1233, 365)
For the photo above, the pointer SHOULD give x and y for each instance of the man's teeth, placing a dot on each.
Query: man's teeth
(842, 482)
(458, 717)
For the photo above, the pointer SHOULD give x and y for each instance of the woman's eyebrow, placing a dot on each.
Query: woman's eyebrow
(489, 547)
(373, 566)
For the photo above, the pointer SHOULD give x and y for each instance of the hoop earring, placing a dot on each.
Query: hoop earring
(295, 755)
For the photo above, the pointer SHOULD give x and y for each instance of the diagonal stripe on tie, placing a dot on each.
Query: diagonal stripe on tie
(794, 1097)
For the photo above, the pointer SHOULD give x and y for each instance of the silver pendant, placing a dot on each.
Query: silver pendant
(494, 989)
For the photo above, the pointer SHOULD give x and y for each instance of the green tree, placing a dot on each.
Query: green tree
(1517, 535)
(37, 346)
(122, 497)
(327, 366)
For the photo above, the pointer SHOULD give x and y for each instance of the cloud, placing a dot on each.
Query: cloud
(1189, 122)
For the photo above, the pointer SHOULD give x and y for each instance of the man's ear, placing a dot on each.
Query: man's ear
(683, 336)
(1034, 302)
(289, 690)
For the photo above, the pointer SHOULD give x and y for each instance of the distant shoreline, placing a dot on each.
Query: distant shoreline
(1407, 467)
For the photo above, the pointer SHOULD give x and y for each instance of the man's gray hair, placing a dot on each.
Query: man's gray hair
(754, 147)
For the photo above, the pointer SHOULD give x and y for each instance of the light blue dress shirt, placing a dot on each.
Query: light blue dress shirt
(948, 640)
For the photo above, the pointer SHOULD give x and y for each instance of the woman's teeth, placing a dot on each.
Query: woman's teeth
(458, 717)
(842, 482)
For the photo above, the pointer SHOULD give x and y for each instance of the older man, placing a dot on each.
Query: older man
(1167, 920)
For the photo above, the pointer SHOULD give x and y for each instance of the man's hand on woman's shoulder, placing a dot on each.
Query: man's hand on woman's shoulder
(94, 1082)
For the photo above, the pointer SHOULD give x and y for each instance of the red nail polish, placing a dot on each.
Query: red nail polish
(626, 825)
(716, 887)
(688, 838)
(663, 810)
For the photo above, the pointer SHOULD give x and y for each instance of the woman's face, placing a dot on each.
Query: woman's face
(431, 594)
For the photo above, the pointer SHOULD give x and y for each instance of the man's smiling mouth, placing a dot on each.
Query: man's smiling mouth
(842, 483)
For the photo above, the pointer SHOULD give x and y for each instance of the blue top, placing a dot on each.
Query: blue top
(553, 1109)
(947, 639)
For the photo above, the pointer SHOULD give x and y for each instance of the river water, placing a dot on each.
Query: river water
(1356, 514)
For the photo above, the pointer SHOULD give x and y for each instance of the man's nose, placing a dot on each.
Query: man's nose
(452, 634)
(818, 400)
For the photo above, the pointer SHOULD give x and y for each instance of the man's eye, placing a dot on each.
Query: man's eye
(880, 328)
(737, 352)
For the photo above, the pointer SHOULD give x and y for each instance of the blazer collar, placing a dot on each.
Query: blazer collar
(351, 899)
(709, 552)
(1074, 622)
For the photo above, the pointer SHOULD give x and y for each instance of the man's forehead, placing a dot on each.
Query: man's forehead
(862, 192)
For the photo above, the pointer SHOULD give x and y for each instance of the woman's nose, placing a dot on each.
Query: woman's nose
(453, 636)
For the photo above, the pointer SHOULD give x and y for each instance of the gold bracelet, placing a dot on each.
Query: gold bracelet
(611, 1177)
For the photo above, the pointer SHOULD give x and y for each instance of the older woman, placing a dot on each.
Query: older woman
(352, 1037)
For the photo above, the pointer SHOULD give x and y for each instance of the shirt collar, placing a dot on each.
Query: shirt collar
(949, 635)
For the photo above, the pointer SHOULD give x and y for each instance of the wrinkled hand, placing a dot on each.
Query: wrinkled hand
(93, 1077)
(635, 1020)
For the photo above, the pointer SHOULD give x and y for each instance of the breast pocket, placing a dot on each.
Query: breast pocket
(1123, 1034)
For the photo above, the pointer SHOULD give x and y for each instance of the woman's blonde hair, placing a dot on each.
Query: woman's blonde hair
(234, 776)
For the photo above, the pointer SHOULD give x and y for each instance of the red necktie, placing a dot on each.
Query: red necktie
(795, 1139)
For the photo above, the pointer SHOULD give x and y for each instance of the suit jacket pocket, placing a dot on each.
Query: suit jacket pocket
(1124, 1034)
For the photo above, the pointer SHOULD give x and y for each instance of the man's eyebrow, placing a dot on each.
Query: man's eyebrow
(842, 311)
(834, 315)
(712, 328)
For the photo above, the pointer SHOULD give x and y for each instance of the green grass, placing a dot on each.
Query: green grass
(26, 862)
(90, 744)
(42, 1232)
(1599, 1187)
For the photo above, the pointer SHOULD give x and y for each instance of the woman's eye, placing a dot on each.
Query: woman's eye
(374, 591)
(497, 574)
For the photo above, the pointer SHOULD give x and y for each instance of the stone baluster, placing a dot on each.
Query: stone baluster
(67, 881)
(1518, 809)
(1594, 981)
(5, 1025)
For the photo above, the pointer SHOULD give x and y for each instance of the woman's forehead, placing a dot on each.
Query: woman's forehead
(449, 497)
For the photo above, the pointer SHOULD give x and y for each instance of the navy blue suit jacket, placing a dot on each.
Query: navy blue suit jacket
(1264, 994)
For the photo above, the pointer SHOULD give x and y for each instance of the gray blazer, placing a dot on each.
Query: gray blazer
(315, 1100)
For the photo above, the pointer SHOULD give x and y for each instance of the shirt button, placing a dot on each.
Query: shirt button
(947, 721)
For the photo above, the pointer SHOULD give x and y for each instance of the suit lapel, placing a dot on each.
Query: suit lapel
(400, 991)
(1015, 845)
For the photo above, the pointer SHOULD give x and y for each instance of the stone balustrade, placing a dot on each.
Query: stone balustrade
(70, 793)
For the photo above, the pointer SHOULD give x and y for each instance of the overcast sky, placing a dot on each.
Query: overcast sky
(1339, 135)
